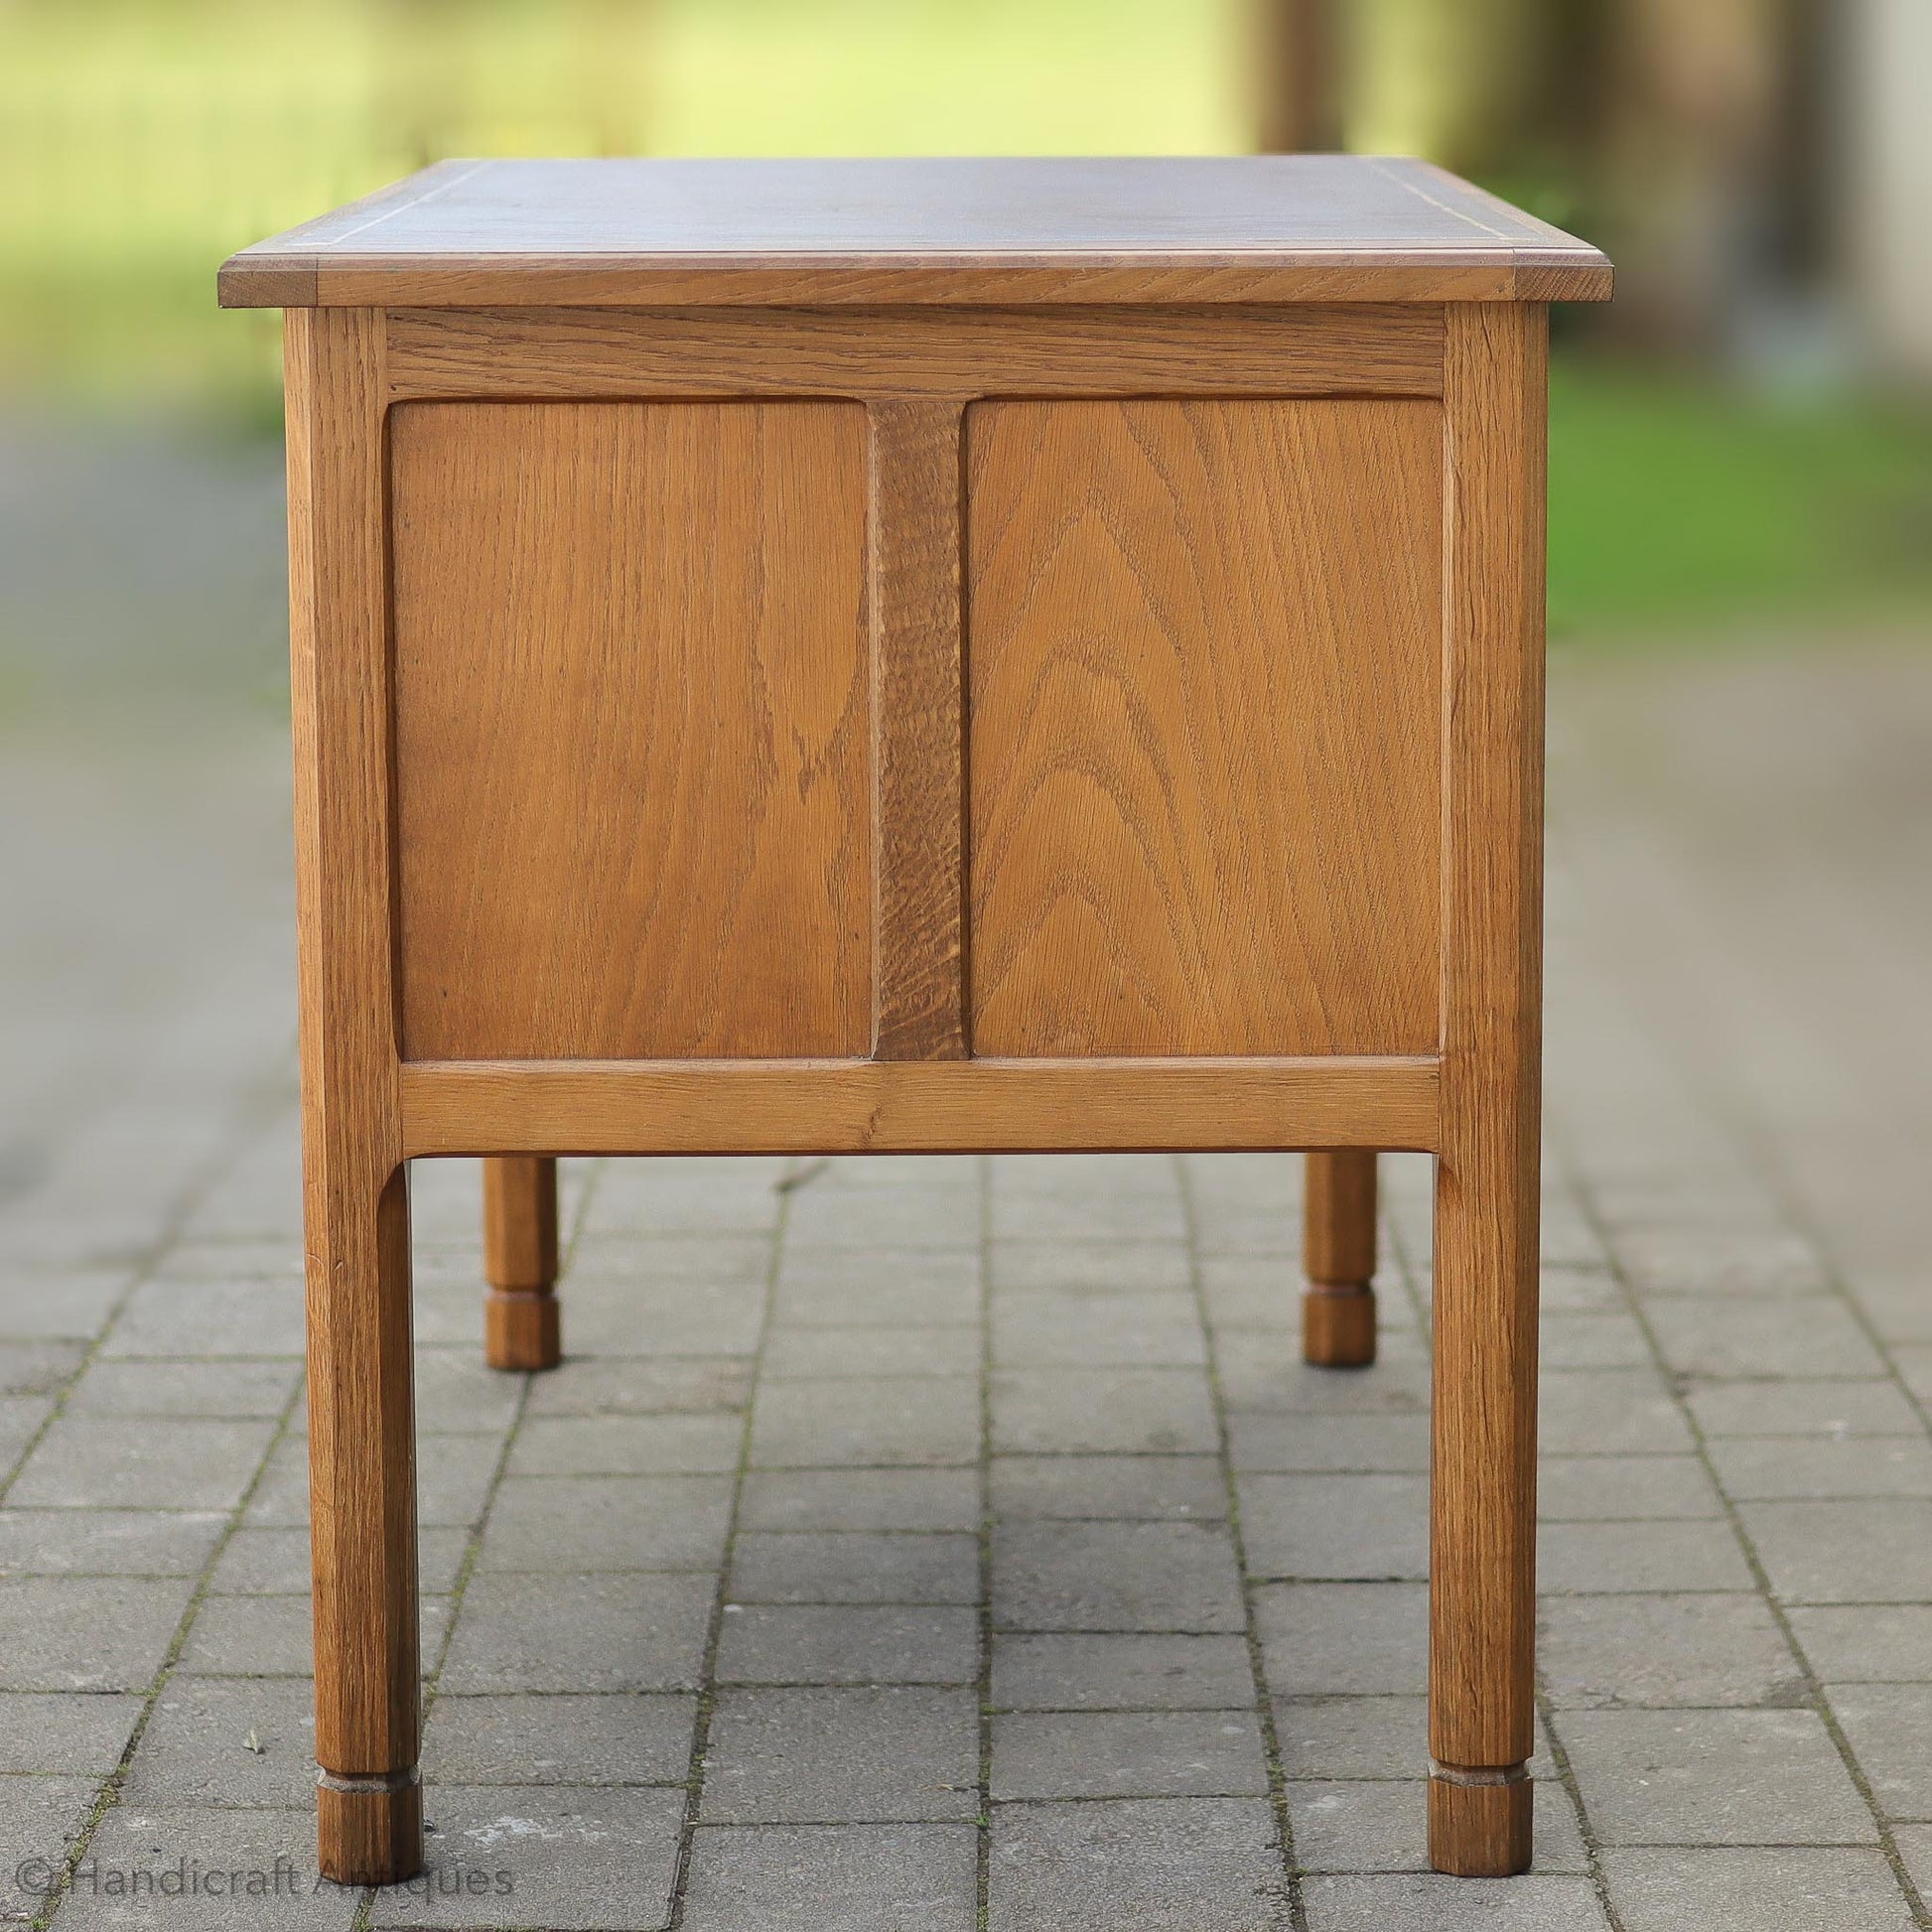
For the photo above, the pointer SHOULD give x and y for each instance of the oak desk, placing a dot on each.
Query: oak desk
(916, 655)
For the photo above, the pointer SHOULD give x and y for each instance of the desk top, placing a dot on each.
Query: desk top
(1202, 229)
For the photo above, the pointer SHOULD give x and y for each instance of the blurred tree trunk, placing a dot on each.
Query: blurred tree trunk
(1692, 163)
(1297, 65)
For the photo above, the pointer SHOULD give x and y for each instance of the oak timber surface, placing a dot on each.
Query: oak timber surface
(1204, 732)
(1258, 228)
(632, 729)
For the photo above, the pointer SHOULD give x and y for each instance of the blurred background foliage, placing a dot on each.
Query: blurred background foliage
(1743, 433)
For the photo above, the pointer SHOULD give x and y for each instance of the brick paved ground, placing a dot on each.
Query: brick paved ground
(920, 1544)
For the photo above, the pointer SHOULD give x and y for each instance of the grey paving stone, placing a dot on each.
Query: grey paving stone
(859, 1499)
(250, 1636)
(1875, 1552)
(59, 1304)
(658, 1318)
(580, 1633)
(557, 1856)
(1914, 1843)
(867, 1421)
(726, 1194)
(1102, 1268)
(1146, 1330)
(838, 1756)
(39, 1820)
(80, 1732)
(1868, 1643)
(1757, 1470)
(1743, 1259)
(1787, 1407)
(547, 1522)
(1723, 1338)
(1128, 1755)
(833, 1879)
(1156, 1865)
(693, 1385)
(232, 1389)
(226, 1741)
(609, 1446)
(1075, 1489)
(1105, 1673)
(800, 1354)
(1102, 1410)
(667, 1266)
(190, 1463)
(1249, 1294)
(86, 1633)
(30, 1368)
(560, 1740)
(1149, 1210)
(107, 1542)
(1598, 1558)
(134, 1845)
(1382, 1825)
(1126, 1576)
(1604, 1652)
(1608, 1412)
(883, 1217)
(1326, 1639)
(1578, 1288)
(1263, 1370)
(1887, 1725)
(1713, 1777)
(812, 1643)
(1429, 1902)
(1601, 1338)
(458, 1393)
(854, 1567)
(1328, 1444)
(1360, 1528)
(898, 1285)
(210, 1318)
(453, 1474)
(1587, 1488)
(274, 1562)
(1353, 1736)
(20, 1419)
(1748, 1888)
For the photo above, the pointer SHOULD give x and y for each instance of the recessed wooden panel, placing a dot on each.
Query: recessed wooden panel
(1205, 642)
(632, 729)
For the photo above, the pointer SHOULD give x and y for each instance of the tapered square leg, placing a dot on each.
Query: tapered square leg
(362, 1493)
(1338, 1254)
(1482, 1464)
(521, 1327)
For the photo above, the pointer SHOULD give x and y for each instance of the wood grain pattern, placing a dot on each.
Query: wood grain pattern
(632, 729)
(911, 1107)
(522, 1329)
(943, 353)
(355, 1202)
(1483, 1463)
(1206, 229)
(1338, 1313)
(918, 1011)
(1203, 749)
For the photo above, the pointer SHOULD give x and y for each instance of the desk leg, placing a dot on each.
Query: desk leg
(520, 1319)
(1338, 1254)
(362, 1491)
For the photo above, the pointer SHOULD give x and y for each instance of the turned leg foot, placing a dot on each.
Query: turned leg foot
(1338, 1250)
(1479, 1820)
(370, 1831)
(522, 1325)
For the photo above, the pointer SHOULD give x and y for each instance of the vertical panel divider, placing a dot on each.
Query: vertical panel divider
(916, 529)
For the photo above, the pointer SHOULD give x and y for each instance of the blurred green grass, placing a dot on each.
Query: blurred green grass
(143, 140)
